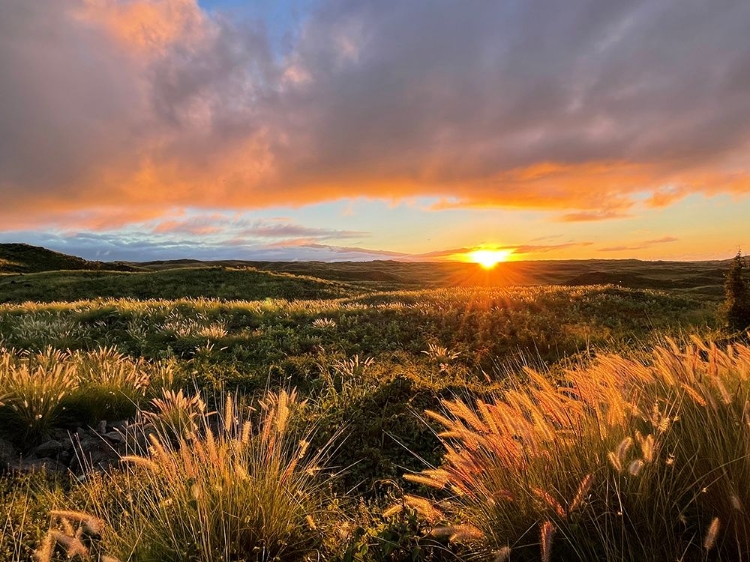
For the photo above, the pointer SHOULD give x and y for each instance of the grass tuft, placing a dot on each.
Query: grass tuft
(615, 461)
(227, 490)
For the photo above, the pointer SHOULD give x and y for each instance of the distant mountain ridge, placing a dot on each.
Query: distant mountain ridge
(25, 258)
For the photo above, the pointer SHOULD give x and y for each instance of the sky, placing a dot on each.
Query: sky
(363, 129)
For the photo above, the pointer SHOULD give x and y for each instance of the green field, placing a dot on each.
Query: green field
(583, 410)
(28, 273)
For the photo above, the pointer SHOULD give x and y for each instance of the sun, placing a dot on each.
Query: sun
(489, 258)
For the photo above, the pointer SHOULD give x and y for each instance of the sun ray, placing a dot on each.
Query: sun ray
(488, 259)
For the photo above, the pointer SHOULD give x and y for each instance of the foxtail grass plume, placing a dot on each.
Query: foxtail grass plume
(713, 532)
(546, 535)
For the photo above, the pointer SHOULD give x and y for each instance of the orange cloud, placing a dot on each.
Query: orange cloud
(133, 108)
(147, 25)
(640, 245)
(588, 216)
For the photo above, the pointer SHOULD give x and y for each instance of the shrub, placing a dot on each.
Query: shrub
(736, 307)
(175, 414)
(20, 516)
(622, 460)
(239, 492)
(32, 388)
(110, 385)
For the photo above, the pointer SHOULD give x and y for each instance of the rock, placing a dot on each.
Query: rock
(99, 458)
(36, 465)
(102, 427)
(49, 449)
(8, 454)
(119, 424)
(61, 435)
(115, 436)
(89, 444)
(95, 451)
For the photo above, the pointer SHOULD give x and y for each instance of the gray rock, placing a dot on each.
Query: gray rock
(61, 435)
(49, 449)
(115, 436)
(8, 454)
(102, 427)
(94, 458)
(89, 443)
(36, 465)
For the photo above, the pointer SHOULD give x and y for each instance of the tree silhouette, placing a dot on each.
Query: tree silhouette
(737, 296)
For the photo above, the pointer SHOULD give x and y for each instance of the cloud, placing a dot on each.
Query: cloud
(589, 216)
(346, 252)
(545, 248)
(516, 249)
(663, 240)
(545, 238)
(444, 253)
(140, 244)
(640, 245)
(116, 246)
(221, 223)
(265, 230)
(147, 105)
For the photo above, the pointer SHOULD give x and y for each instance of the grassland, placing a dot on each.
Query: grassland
(58, 277)
(207, 282)
(377, 412)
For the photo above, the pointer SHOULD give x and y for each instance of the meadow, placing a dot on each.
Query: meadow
(369, 415)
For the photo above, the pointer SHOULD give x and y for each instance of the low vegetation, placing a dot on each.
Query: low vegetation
(736, 307)
(621, 460)
(52, 387)
(229, 487)
(485, 423)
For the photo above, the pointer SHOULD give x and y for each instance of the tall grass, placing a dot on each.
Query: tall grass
(38, 390)
(32, 388)
(622, 460)
(110, 385)
(233, 489)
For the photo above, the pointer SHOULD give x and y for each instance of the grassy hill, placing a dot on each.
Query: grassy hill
(705, 277)
(24, 258)
(33, 273)
(208, 282)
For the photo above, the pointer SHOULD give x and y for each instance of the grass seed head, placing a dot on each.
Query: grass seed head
(712, 534)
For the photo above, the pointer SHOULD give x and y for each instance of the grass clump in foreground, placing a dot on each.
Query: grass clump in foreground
(39, 391)
(232, 489)
(622, 460)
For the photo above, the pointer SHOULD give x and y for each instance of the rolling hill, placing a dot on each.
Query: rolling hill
(34, 273)
(24, 258)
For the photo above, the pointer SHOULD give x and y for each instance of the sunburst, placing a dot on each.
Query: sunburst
(489, 258)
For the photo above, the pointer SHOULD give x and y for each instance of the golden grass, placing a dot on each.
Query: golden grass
(621, 459)
(32, 387)
(232, 488)
(74, 534)
(35, 388)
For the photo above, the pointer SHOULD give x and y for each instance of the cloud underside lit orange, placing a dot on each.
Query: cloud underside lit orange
(174, 107)
(585, 192)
